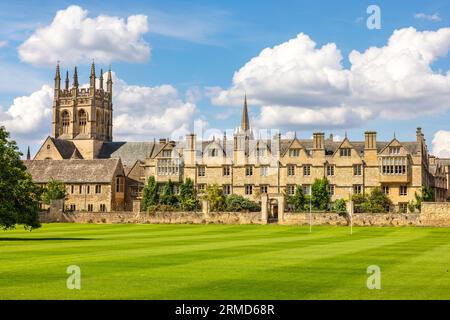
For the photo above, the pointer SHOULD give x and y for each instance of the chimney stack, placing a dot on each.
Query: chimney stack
(370, 140)
(318, 140)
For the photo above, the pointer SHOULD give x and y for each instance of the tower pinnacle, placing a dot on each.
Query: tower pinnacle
(245, 126)
(75, 77)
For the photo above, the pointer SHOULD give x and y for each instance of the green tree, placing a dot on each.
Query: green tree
(359, 202)
(426, 195)
(167, 195)
(187, 197)
(19, 195)
(150, 194)
(53, 190)
(320, 194)
(237, 203)
(340, 207)
(377, 202)
(214, 195)
(298, 200)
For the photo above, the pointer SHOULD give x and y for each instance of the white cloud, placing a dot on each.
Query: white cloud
(73, 36)
(432, 17)
(29, 116)
(297, 83)
(142, 112)
(441, 144)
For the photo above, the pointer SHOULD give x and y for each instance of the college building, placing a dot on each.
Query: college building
(80, 152)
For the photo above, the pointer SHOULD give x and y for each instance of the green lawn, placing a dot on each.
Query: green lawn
(224, 262)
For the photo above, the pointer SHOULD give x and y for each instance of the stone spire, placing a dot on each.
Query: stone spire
(92, 77)
(245, 126)
(109, 81)
(75, 77)
(101, 79)
(57, 78)
(67, 80)
(28, 153)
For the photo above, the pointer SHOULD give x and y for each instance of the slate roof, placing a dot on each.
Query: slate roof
(129, 152)
(65, 147)
(74, 170)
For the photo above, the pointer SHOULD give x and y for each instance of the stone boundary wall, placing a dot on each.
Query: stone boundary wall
(155, 218)
(359, 219)
(435, 214)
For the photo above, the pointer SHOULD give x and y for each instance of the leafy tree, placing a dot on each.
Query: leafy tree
(298, 200)
(237, 203)
(340, 207)
(377, 202)
(19, 195)
(167, 195)
(214, 194)
(53, 190)
(320, 194)
(187, 197)
(150, 194)
(359, 202)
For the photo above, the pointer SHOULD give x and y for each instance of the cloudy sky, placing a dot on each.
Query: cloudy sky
(180, 66)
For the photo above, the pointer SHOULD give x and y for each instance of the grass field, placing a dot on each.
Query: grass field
(224, 262)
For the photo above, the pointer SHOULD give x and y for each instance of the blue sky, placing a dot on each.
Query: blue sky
(197, 45)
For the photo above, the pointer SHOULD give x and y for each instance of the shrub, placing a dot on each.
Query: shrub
(320, 194)
(149, 194)
(377, 202)
(53, 190)
(298, 200)
(340, 207)
(238, 203)
(167, 196)
(187, 197)
(214, 194)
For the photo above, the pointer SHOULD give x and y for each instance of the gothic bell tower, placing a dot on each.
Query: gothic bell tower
(83, 115)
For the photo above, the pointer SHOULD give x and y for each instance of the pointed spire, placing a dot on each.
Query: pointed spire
(101, 79)
(109, 81)
(57, 74)
(92, 77)
(75, 77)
(67, 80)
(28, 153)
(245, 126)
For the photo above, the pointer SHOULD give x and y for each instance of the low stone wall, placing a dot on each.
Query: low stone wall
(435, 214)
(359, 219)
(157, 217)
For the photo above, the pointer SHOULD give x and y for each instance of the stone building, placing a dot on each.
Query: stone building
(242, 164)
(252, 166)
(91, 185)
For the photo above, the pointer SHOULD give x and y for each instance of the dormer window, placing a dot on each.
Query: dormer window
(294, 152)
(345, 152)
(394, 150)
(260, 152)
(213, 153)
(167, 153)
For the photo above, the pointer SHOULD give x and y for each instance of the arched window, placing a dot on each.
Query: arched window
(65, 120)
(82, 120)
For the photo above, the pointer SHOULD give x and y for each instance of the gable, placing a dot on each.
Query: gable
(48, 151)
(394, 144)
